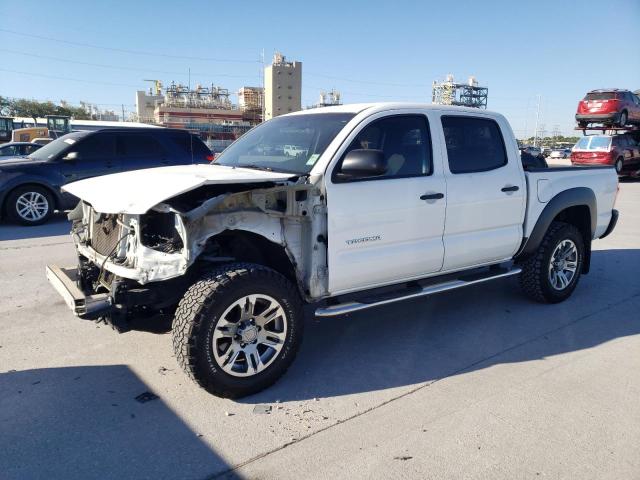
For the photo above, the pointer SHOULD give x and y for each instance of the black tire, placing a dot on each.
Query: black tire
(534, 279)
(200, 311)
(582, 124)
(13, 208)
(619, 165)
(623, 119)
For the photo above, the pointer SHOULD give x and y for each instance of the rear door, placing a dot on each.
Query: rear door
(486, 192)
(385, 229)
(141, 150)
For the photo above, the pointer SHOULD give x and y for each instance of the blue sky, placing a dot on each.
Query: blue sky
(369, 50)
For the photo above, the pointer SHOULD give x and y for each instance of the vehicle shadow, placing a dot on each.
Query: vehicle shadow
(458, 332)
(57, 225)
(85, 422)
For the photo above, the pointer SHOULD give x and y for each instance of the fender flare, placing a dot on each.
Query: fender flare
(573, 197)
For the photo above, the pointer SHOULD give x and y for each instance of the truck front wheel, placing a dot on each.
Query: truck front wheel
(551, 274)
(237, 329)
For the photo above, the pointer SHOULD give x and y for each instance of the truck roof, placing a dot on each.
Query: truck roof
(383, 106)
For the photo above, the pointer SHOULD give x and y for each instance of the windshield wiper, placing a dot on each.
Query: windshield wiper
(256, 167)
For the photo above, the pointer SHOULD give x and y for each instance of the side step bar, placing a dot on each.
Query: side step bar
(462, 281)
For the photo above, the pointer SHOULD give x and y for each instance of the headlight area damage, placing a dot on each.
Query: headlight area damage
(136, 262)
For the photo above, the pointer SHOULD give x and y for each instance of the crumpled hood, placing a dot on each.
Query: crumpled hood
(138, 191)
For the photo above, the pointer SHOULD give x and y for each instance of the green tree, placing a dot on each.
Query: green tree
(23, 107)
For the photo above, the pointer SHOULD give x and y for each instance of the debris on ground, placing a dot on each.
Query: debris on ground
(229, 414)
(403, 458)
(262, 409)
(146, 397)
(164, 370)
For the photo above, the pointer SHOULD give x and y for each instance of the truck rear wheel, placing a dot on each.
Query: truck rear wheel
(552, 273)
(237, 329)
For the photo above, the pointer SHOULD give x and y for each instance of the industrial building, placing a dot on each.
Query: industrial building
(282, 87)
(328, 99)
(251, 102)
(207, 111)
(469, 94)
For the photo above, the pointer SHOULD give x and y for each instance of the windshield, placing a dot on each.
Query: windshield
(595, 142)
(54, 148)
(292, 143)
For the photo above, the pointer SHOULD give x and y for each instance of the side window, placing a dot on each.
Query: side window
(96, 146)
(8, 151)
(405, 141)
(140, 146)
(473, 144)
(189, 143)
(28, 149)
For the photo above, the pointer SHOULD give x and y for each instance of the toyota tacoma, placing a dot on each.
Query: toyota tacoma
(376, 203)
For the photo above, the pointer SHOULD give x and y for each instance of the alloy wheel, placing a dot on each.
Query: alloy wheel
(563, 264)
(32, 206)
(249, 335)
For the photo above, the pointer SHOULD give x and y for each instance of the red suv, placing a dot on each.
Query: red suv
(611, 107)
(621, 151)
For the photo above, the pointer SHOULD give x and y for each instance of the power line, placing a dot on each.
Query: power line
(387, 84)
(124, 50)
(97, 82)
(116, 67)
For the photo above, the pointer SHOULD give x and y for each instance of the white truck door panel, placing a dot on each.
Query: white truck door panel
(380, 230)
(382, 233)
(486, 193)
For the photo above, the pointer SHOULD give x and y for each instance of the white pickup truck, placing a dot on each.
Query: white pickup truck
(388, 202)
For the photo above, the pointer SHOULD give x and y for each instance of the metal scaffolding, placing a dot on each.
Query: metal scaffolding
(469, 94)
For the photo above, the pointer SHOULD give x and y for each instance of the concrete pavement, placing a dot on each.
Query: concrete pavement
(476, 383)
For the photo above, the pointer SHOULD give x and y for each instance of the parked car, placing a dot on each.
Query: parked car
(533, 151)
(546, 151)
(621, 151)
(610, 107)
(17, 149)
(31, 186)
(560, 153)
(356, 222)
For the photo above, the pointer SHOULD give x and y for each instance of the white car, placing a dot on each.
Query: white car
(560, 153)
(294, 150)
(238, 247)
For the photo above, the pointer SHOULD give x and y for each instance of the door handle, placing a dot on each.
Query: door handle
(514, 188)
(432, 196)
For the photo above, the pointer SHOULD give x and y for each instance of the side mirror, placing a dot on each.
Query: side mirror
(71, 157)
(363, 164)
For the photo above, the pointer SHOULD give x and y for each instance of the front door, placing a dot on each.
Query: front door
(486, 193)
(389, 228)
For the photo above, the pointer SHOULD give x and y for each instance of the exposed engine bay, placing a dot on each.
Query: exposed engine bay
(152, 254)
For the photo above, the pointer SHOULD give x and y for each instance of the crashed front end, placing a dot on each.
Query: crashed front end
(129, 262)
(125, 262)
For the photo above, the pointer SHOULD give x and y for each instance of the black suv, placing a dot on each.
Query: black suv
(30, 187)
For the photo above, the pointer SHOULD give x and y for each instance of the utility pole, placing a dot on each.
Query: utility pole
(123, 112)
(264, 98)
(189, 78)
(535, 136)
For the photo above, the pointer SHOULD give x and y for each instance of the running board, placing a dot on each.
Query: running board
(462, 281)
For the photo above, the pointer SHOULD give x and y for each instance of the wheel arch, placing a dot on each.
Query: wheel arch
(576, 206)
(250, 247)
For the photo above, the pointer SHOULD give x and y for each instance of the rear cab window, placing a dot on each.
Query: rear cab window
(473, 144)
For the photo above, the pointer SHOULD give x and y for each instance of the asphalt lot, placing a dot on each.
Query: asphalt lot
(475, 383)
